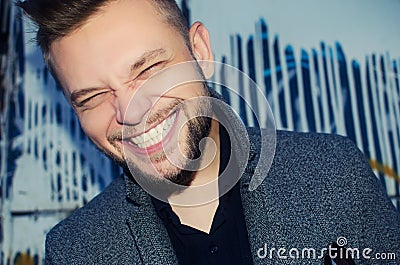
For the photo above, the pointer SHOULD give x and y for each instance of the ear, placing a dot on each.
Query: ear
(201, 47)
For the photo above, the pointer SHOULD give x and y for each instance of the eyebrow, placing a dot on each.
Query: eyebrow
(142, 60)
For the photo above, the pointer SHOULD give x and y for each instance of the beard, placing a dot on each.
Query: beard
(197, 129)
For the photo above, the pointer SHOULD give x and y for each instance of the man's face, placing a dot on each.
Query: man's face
(104, 63)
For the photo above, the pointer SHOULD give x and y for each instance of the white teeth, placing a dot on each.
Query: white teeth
(155, 135)
(160, 128)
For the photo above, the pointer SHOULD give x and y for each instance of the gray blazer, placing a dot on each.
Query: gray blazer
(319, 188)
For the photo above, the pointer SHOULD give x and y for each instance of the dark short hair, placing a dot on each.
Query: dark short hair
(58, 18)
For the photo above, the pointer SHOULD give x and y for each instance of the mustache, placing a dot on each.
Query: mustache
(164, 112)
(115, 136)
(151, 119)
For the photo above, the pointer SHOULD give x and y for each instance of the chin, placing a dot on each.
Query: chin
(161, 170)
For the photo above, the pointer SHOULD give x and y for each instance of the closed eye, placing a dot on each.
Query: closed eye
(92, 101)
(149, 71)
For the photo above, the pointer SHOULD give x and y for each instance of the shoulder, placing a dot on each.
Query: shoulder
(316, 147)
(321, 159)
(105, 205)
(323, 183)
(89, 227)
(318, 155)
(296, 141)
(324, 173)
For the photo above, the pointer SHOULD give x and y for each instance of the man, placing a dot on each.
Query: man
(173, 141)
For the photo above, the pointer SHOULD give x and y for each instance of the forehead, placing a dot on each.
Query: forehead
(109, 42)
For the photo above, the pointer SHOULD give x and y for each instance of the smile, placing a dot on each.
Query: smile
(154, 139)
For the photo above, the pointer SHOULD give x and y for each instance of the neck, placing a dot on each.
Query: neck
(205, 185)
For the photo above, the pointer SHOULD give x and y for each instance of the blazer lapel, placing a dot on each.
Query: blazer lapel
(255, 216)
(256, 203)
(151, 237)
(262, 229)
(149, 233)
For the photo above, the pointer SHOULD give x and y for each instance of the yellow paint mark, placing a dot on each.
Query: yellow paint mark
(24, 259)
(384, 169)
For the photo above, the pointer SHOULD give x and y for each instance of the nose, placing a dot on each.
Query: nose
(131, 107)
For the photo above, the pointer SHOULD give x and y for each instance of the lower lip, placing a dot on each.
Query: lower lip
(156, 147)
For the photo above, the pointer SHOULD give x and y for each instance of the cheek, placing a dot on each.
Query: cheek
(188, 91)
(97, 123)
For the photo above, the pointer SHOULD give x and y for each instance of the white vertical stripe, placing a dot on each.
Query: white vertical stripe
(286, 77)
(259, 70)
(315, 93)
(339, 109)
(28, 106)
(232, 78)
(332, 90)
(274, 84)
(378, 108)
(302, 105)
(375, 111)
(390, 123)
(246, 88)
(324, 93)
(384, 126)
(368, 110)
(354, 104)
(31, 133)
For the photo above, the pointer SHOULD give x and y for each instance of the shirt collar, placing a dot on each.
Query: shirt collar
(164, 210)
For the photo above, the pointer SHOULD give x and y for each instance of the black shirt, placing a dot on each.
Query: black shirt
(227, 242)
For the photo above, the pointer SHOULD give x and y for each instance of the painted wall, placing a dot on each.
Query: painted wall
(48, 166)
(326, 66)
